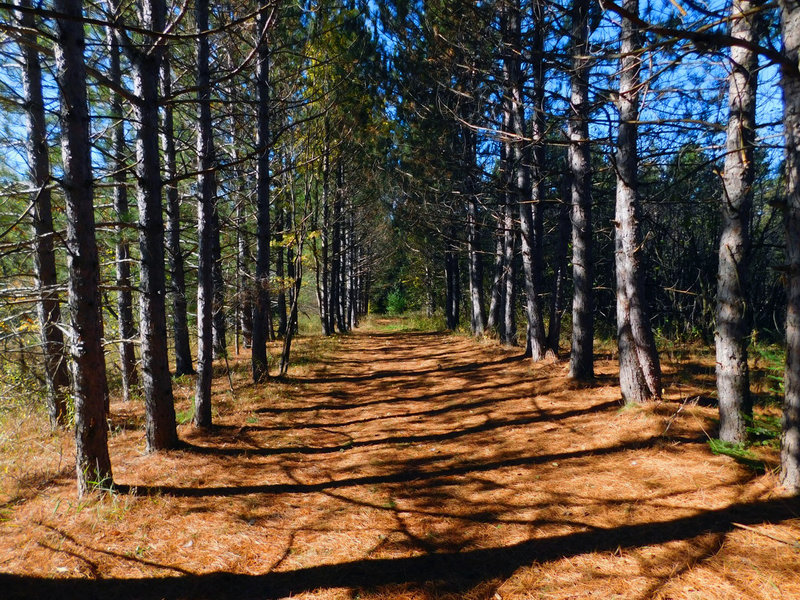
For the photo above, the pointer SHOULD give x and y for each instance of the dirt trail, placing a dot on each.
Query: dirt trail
(415, 465)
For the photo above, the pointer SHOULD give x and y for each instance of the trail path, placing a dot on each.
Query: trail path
(416, 465)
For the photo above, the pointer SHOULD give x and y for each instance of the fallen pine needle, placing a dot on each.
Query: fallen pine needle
(793, 543)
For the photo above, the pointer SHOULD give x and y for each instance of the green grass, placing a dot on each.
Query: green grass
(184, 416)
(738, 452)
(768, 368)
(410, 321)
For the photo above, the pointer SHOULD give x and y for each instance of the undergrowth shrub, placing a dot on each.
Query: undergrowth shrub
(396, 302)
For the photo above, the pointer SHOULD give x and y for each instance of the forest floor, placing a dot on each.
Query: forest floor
(401, 464)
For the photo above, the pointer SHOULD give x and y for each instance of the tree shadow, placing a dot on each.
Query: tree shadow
(411, 471)
(448, 571)
(489, 425)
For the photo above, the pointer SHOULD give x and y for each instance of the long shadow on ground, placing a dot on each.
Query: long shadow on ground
(448, 571)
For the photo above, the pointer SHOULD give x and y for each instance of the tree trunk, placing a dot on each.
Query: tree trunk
(639, 369)
(509, 333)
(790, 81)
(494, 320)
(127, 331)
(525, 195)
(279, 272)
(93, 465)
(562, 247)
(430, 297)
(351, 268)
(297, 268)
(218, 320)
(180, 321)
(581, 366)
(325, 279)
(48, 308)
(244, 296)
(451, 287)
(160, 429)
(478, 316)
(206, 226)
(336, 250)
(262, 305)
(733, 327)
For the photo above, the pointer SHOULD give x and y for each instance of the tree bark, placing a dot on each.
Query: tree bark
(160, 431)
(127, 330)
(280, 274)
(244, 295)
(451, 290)
(93, 465)
(509, 333)
(581, 366)
(336, 250)
(180, 321)
(733, 327)
(291, 330)
(206, 225)
(527, 196)
(494, 321)
(639, 369)
(478, 315)
(325, 279)
(218, 320)
(562, 247)
(790, 439)
(262, 302)
(48, 307)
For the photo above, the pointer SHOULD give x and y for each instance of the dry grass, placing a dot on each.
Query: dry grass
(405, 465)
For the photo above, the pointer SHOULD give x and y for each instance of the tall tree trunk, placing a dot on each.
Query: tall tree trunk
(297, 280)
(127, 331)
(206, 226)
(639, 369)
(494, 320)
(475, 262)
(509, 333)
(478, 313)
(336, 250)
(351, 268)
(430, 297)
(451, 287)
(218, 320)
(525, 196)
(340, 220)
(279, 271)
(562, 247)
(244, 296)
(180, 321)
(581, 366)
(262, 305)
(732, 332)
(790, 81)
(48, 308)
(160, 431)
(325, 279)
(93, 465)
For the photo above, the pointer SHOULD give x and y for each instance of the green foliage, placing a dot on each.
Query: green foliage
(20, 388)
(772, 360)
(765, 430)
(396, 302)
(738, 452)
(184, 416)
